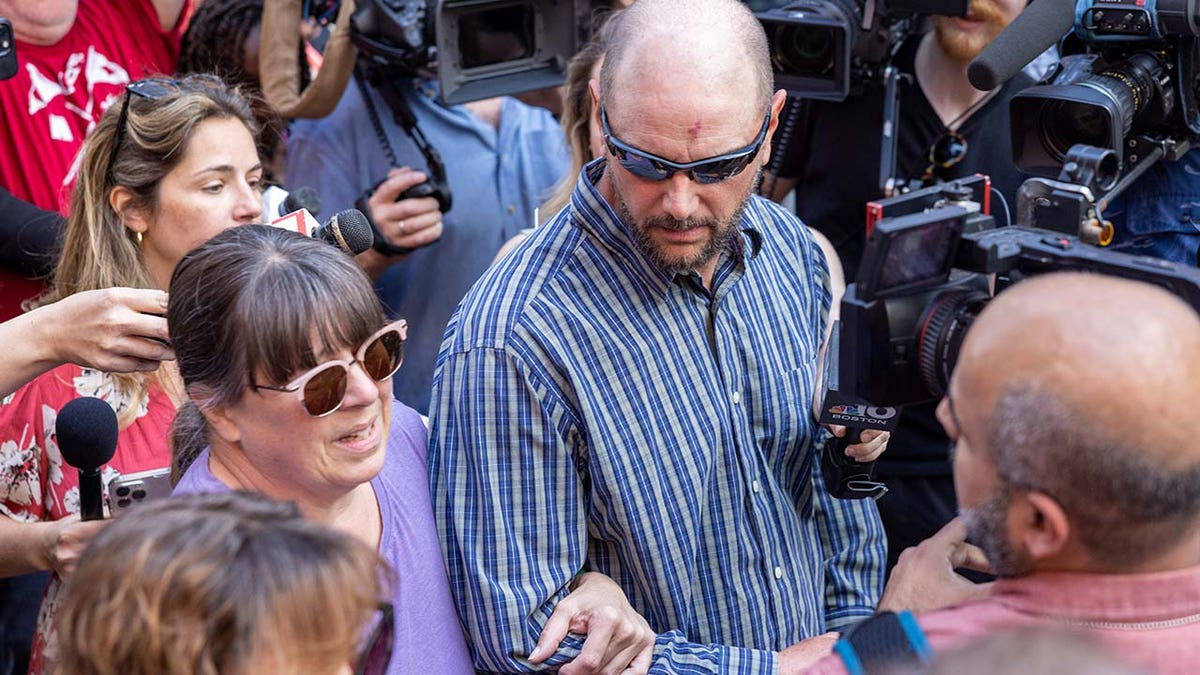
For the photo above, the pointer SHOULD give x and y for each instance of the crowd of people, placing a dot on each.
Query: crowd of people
(560, 416)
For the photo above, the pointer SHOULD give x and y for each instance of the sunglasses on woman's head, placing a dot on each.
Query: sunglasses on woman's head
(652, 167)
(323, 388)
(152, 88)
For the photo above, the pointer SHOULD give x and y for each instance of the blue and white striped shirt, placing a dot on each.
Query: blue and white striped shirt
(593, 412)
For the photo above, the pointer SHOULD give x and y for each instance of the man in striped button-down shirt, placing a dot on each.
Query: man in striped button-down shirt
(629, 392)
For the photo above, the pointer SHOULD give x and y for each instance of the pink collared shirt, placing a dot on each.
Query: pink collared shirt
(1152, 620)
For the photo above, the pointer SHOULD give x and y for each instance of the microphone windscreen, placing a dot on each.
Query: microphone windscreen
(301, 198)
(1038, 27)
(86, 430)
(354, 230)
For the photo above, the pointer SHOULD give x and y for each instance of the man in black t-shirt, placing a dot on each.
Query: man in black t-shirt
(833, 162)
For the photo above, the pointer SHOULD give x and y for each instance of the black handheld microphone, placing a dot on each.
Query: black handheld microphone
(301, 198)
(348, 230)
(86, 430)
(1033, 31)
(844, 477)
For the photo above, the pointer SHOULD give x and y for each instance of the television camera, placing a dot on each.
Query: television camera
(1126, 85)
(1122, 99)
(478, 48)
(830, 49)
(927, 272)
(826, 49)
(933, 261)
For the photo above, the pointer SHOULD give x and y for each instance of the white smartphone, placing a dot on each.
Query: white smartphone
(125, 492)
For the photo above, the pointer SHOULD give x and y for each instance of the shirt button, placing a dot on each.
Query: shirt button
(754, 487)
(736, 397)
(778, 572)
(511, 209)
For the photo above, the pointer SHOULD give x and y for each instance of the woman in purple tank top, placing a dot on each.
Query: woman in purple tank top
(287, 360)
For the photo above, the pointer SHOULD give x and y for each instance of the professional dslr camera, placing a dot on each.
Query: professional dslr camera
(826, 49)
(925, 276)
(1127, 83)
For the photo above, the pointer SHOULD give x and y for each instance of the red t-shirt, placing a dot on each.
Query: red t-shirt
(58, 95)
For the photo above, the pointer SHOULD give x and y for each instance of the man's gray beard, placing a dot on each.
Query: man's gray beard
(722, 234)
(986, 529)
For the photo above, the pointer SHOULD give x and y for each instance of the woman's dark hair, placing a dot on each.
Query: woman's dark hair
(246, 306)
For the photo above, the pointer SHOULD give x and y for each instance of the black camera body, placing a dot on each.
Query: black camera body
(826, 49)
(928, 271)
(1126, 83)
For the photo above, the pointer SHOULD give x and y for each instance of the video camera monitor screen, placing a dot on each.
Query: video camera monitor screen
(910, 252)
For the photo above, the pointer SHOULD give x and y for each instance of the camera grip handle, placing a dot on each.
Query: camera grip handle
(380, 242)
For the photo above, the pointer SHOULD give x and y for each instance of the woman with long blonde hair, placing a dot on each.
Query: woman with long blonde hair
(169, 165)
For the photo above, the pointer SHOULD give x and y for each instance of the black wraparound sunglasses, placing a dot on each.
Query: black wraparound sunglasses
(652, 167)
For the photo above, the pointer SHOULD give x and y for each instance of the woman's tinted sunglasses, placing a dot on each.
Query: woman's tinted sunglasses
(376, 650)
(652, 167)
(323, 388)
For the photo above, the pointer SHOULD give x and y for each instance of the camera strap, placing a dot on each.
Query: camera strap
(404, 117)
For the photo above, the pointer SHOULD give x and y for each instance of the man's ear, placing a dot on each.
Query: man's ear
(594, 91)
(778, 104)
(121, 200)
(1039, 524)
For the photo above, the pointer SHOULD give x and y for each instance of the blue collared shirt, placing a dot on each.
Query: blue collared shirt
(593, 412)
(1159, 214)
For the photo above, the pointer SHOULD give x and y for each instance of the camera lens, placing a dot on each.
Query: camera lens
(123, 491)
(1066, 123)
(124, 503)
(1130, 87)
(946, 322)
(139, 494)
(803, 50)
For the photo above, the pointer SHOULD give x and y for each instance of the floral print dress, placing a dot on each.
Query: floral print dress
(35, 483)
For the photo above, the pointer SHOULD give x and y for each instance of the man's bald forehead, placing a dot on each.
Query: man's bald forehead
(692, 40)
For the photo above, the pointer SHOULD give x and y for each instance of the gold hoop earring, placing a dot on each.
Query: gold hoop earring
(137, 236)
